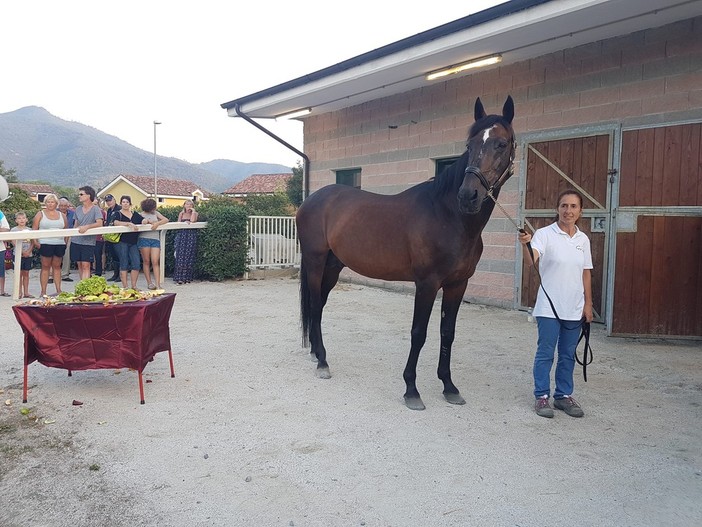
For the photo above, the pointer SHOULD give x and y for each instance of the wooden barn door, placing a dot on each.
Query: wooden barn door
(658, 270)
(583, 163)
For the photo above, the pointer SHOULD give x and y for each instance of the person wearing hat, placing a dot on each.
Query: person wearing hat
(112, 208)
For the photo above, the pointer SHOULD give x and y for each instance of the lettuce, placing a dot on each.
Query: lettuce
(94, 285)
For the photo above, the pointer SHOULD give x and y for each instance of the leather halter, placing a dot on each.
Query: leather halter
(509, 170)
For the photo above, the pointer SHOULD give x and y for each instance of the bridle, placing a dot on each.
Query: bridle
(506, 174)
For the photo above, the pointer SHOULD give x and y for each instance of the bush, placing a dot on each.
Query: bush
(222, 248)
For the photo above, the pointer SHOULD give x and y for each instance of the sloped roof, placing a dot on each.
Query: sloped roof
(166, 187)
(260, 184)
(518, 30)
(33, 188)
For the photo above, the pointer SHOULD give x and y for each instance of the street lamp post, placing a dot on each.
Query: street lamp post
(156, 123)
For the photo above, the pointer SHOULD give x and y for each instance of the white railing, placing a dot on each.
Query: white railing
(73, 233)
(273, 242)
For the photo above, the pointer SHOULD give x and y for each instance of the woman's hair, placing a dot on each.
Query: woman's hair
(568, 192)
(188, 201)
(148, 205)
(128, 198)
(90, 191)
(51, 197)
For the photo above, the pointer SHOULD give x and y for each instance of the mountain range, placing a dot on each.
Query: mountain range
(46, 148)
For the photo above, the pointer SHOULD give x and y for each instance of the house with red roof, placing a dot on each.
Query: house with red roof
(259, 185)
(171, 192)
(36, 191)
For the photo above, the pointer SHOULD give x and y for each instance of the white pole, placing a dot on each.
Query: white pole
(155, 166)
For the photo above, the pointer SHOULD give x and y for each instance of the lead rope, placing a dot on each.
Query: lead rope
(584, 324)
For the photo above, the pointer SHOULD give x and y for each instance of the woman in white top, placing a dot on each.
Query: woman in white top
(562, 252)
(52, 249)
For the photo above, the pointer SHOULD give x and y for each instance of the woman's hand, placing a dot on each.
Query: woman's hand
(524, 238)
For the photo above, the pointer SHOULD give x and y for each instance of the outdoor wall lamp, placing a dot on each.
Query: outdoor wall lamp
(293, 114)
(471, 64)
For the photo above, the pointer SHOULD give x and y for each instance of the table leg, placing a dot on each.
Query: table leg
(24, 388)
(141, 388)
(170, 359)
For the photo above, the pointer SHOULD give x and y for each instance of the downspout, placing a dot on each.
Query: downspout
(306, 165)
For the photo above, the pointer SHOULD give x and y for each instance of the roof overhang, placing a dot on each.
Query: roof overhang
(518, 30)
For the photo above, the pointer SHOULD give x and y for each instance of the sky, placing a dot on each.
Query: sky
(120, 66)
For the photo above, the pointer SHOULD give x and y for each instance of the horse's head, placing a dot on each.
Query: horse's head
(488, 157)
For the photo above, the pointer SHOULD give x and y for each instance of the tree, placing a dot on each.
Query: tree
(8, 173)
(20, 201)
(294, 186)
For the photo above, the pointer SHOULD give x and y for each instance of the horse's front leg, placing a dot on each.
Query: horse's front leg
(452, 298)
(423, 303)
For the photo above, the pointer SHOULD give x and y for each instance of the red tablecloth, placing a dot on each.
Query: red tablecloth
(94, 336)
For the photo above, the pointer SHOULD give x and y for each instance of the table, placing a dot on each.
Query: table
(96, 336)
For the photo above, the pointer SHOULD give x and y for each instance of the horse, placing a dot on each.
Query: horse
(429, 234)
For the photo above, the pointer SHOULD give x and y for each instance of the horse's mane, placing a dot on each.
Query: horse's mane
(446, 181)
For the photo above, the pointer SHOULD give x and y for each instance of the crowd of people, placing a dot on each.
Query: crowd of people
(133, 253)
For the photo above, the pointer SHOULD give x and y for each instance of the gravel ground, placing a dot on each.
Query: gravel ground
(245, 434)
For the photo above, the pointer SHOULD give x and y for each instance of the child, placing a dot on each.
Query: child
(27, 248)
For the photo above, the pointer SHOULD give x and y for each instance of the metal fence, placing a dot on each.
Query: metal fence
(273, 242)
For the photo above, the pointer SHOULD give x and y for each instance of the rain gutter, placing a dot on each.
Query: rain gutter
(306, 167)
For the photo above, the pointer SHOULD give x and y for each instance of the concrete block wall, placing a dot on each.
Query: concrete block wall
(651, 77)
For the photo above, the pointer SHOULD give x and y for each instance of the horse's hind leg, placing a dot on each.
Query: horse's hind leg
(321, 274)
(330, 276)
(452, 298)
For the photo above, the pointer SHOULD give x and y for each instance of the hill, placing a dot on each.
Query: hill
(43, 147)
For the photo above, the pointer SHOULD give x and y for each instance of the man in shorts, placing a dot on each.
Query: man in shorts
(86, 216)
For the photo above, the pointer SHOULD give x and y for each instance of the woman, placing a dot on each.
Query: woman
(51, 250)
(127, 246)
(149, 243)
(185, 246)
(565, 261)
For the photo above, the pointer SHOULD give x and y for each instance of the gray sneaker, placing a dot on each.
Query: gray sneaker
(569, 406)
(542, 407)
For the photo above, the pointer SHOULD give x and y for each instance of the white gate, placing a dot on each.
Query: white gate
(273, 242)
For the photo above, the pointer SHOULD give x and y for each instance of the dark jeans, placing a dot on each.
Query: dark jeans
(99, 247)
(112, 253)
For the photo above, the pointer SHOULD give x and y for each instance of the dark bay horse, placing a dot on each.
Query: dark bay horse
(430, 234)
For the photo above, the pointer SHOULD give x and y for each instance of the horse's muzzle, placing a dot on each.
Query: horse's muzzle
(469, 194)
(469, 201)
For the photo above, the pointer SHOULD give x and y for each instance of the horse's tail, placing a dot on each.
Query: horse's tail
(305, 305)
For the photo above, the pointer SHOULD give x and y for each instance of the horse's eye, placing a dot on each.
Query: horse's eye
(502, 145)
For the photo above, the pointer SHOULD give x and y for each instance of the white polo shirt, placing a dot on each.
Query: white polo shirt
(562, 260)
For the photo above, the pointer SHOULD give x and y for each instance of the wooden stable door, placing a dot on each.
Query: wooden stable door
(658, 271)
(583, 163)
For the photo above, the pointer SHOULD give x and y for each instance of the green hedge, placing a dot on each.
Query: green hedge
(222, 248)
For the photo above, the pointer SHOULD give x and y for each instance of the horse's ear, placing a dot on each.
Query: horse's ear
(508, 109)
(479, 110)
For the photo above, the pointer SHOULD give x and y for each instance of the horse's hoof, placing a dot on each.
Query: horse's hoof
(414, 403)
(323, 373)
(454, 398)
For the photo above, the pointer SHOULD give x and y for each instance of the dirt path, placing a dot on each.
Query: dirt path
(247, 435)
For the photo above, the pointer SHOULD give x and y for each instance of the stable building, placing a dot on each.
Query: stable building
(608, 99)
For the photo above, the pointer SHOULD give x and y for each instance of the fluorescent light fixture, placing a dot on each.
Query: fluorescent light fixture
(472, 64)
(292, 115)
